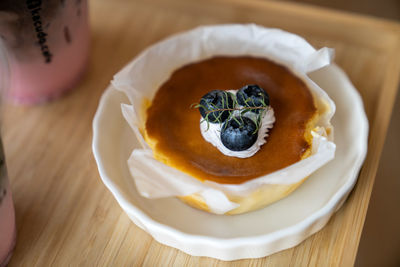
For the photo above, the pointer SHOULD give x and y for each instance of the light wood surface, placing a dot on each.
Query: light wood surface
(66, 216)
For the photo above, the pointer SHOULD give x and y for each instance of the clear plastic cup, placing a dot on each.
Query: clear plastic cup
(48, 44)
(7, 214)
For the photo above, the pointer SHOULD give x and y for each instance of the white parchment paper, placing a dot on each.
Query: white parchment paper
(141, 78)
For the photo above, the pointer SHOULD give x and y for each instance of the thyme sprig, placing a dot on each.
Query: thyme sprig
(236, 113)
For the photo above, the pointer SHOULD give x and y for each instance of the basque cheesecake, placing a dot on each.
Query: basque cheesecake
(173, 133)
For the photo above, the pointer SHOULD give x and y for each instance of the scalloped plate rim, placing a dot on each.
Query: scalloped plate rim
(298, 232)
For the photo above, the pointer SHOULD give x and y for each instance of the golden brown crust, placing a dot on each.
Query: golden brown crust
(172, 128)
(196, 201)
(264, 195)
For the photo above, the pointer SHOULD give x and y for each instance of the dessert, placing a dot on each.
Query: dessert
(204, 164)
(289, 140)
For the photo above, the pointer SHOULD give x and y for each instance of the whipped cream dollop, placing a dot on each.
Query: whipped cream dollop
(211, 132)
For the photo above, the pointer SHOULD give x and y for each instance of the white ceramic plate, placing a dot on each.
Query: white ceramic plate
(279, 226)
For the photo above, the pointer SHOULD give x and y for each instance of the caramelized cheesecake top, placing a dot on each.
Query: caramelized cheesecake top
(173, 127)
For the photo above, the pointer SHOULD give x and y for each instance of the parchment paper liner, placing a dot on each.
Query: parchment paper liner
(141, 78)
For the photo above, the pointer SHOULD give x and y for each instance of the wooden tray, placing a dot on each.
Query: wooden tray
(66, 216)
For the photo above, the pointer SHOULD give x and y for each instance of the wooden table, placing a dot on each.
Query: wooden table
(66, 216)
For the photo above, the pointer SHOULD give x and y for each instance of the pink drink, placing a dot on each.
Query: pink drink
(7, 227)
(7, 216)
(48, 47)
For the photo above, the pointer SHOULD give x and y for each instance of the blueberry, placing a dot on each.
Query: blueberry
(216, 99)
(239, 134)
(252, 96)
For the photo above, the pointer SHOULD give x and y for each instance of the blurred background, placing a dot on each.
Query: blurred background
(389, 9)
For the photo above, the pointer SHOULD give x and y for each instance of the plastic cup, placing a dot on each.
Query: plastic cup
(48, 43)
(7, 214)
